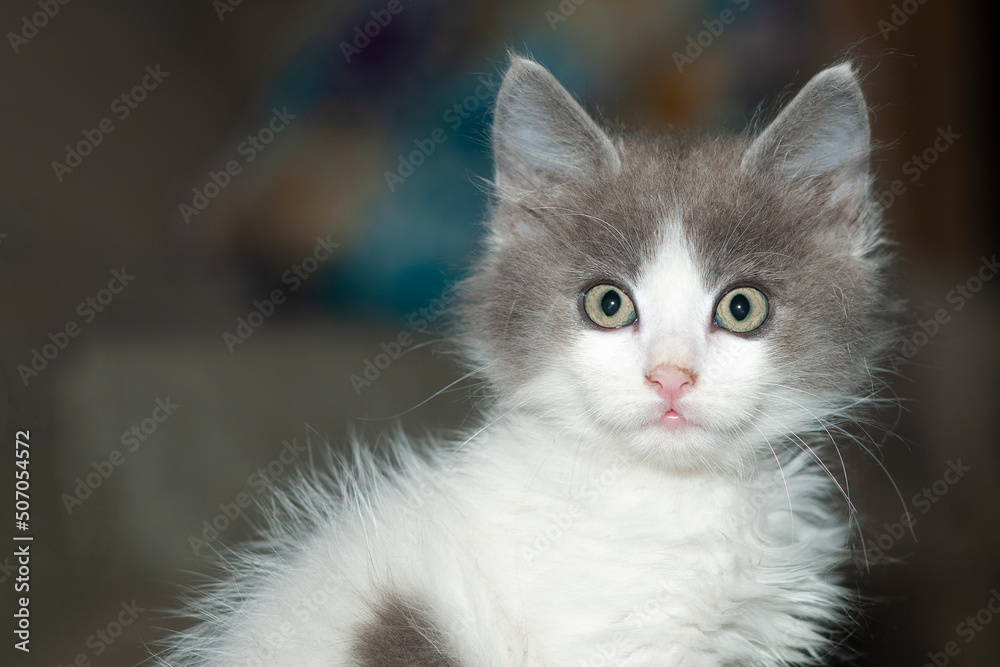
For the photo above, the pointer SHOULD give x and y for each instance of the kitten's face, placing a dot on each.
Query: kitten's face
(690, 301)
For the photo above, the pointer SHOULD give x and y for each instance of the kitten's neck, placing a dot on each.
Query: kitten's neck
(536, 465)
(548, 446)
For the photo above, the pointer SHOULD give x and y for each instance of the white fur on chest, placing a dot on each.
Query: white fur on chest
(534, 550)
(598, 557)
(632, 556)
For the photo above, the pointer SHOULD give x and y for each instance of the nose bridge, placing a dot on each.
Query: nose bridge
(672, 304)
(673, 333)
(676, 347)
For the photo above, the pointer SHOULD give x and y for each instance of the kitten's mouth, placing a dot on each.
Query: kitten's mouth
(673, 419)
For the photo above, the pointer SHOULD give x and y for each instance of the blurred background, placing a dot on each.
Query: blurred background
(218, 217)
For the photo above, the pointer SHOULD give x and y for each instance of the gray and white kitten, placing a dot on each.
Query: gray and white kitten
(671, 331)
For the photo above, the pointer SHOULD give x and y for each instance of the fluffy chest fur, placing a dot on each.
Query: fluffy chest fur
(518, 556)
(597, 556)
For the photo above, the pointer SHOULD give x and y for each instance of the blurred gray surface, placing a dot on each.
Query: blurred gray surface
(287, 384)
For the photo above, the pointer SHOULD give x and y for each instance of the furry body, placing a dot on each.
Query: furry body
(597, 557)
(600, 517)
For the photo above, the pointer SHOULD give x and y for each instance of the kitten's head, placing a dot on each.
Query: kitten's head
(692, 300)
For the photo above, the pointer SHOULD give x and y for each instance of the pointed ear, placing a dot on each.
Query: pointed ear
(541, 136)
(822, 134)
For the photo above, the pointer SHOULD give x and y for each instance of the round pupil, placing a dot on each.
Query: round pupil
(611, 302)
(739, 306)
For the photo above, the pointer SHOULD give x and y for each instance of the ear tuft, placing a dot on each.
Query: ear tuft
(541, 135)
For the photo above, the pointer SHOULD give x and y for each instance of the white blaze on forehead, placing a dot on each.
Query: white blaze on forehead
(675, 307)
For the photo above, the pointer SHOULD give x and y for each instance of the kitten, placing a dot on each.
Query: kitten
(669, 330)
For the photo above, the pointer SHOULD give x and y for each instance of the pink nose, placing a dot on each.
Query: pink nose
(671, 382)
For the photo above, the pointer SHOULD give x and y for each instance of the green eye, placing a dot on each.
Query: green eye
(609, 307)
(741, 310)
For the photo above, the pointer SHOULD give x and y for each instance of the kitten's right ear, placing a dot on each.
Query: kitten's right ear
(541, 136)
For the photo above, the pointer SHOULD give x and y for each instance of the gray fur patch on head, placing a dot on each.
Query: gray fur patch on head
(401, 634)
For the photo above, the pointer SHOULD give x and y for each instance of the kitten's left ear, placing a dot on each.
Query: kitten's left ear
(823, 133)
